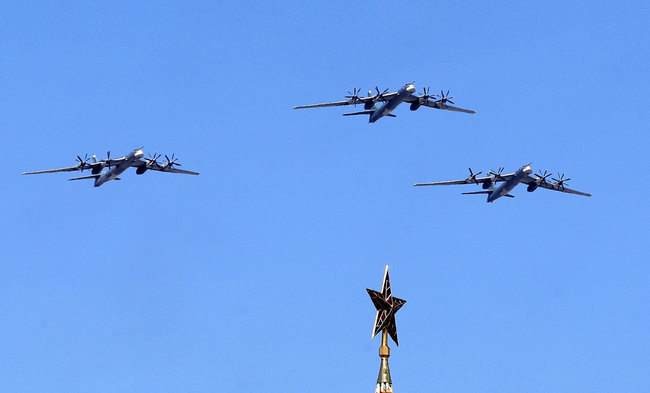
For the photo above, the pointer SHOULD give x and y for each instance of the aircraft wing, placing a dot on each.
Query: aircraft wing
(383, 97)
(176, 170)
(479, 180)
(552, 186)
(66, 169)
(438, 104)
(360, 100)
(336, 103)
(162, 168)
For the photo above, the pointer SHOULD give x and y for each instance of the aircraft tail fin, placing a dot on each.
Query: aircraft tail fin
(359, 113)
(85, 177)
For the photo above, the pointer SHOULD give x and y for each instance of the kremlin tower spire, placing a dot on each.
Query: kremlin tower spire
(387, 306)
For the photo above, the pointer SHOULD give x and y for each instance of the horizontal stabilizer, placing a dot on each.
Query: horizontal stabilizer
(85, 177)
(359, 113)
(476, 192)
(509, 196)
(391, 115)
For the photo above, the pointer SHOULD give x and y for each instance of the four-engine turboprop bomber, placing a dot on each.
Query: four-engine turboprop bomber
(109, 169)
(509, 181)
(391, 101)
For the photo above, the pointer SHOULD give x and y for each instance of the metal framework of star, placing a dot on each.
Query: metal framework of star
(387, 306)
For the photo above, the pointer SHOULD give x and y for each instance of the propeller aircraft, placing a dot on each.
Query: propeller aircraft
(390, 101)
(109, 169)
(510, 181)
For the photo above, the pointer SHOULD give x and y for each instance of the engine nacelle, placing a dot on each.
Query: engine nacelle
(415, 105)
(531, 187)
(97, 169)
(487, 184)
(140, 170)
(368, 105)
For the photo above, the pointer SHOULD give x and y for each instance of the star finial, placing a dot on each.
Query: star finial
(387, 306)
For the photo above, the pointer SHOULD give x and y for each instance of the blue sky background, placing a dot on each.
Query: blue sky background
(252, 276)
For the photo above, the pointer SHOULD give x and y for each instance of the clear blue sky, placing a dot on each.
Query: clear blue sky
(252, 276)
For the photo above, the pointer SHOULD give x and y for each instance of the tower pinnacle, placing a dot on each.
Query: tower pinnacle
(387, 306)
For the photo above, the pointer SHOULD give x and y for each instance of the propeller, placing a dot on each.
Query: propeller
(561, 182)
(425, 93)
(379, 94)
(108, 159)
(444, 98)
(496, 176)
(472, 176)
(152, 160)
(171, 162)
(541, 177)
(353, 97)
(83, 163)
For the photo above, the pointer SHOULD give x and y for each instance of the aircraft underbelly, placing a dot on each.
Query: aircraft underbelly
(507, 188)
(500, 191)
(391, 105)
(111, 174)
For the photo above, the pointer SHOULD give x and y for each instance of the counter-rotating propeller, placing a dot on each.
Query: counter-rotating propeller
(541, 177)
(171, 162)
(472, 176)
(153, 160)
(496, 176)
(353, 97)
(444, 98)
(83, 163)
(561, 182)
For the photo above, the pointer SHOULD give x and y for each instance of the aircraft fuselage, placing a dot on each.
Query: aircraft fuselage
(108, 174)
(390, 105)
(507, 186)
